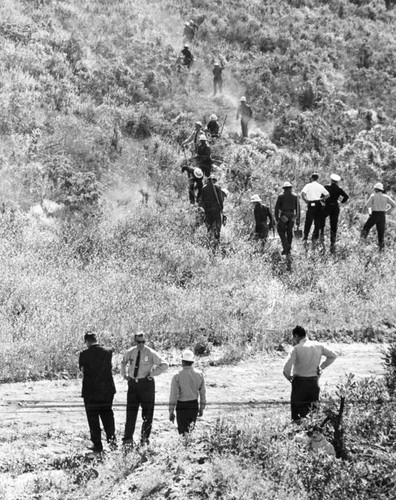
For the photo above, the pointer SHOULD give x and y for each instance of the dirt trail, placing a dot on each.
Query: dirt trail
(231, 388)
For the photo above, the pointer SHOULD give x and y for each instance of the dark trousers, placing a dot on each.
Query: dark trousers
(244, 126)
(314, 214)
(213, 225)
(332, 211)
(194, 184)
(285, 231)
(139, 393)
(304, 395)
(186, 415)
(377, 219)
(96, 410)
(217, 86)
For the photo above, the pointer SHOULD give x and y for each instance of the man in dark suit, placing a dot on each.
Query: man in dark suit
(98, 390)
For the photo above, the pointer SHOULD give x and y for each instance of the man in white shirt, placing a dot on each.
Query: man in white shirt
(379, 206)
(139, 366)
(314, 195)
(186, 386)
(305, 362)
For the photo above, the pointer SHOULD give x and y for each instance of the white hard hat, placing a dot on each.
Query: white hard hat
(198, 173)
(255, 198)
(379, 186)
(203, 137)
(186, 45)
(213, 117)
(198, 123)
(187, 355)
(335, 177)
(186, 23)
(217, 63)
(225, 191)
(286, 185)
(243, 98)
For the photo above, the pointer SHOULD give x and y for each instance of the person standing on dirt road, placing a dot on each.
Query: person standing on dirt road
(287, 211)
(332, 208)
(187, 385)
(246, 114)
(212, 204)
(139, 366)
(305, 361)
(314, 195)
(98, 391)
(264, 221)
(380, 205)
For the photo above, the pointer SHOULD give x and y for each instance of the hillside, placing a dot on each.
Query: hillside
(97, 233)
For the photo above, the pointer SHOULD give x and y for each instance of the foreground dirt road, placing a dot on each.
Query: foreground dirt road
(229, 388)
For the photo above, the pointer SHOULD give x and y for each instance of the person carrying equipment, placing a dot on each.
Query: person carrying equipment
(287, 211)
(377, 205)
(245, 112)
(332, 208)
(188, 58)
(213, 126)
(212, 203)
(263, 218)
(218, 77)
(195, 184)
(204, 158)
(193, 138)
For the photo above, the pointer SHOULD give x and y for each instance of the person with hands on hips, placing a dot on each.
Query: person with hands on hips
(186, 386)
(139, 366)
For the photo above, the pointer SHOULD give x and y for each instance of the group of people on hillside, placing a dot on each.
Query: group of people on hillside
(322, 202)
(187, 396)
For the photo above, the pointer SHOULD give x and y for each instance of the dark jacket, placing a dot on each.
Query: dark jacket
(213, 127)
(187, 54)
(203, 151)
(289, 205)
(245, 111)
(212, 197)
(262, 216)
(217, 73)
(98, 383)
(335, 192)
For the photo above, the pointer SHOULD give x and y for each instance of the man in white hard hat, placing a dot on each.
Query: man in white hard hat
(245, 112)
(187, 386)
(213, 126)
(264, 221)
(287, 212)
(193, 138)
(379, 206)
(314, 195)
(204, 157)
(195, 182)
(332, 208)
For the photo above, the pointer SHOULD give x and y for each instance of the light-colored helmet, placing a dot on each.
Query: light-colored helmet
(335, 177)
(255, 199)
(243, 99)
(187, 355)
(217, 63)
(379, 186)
(213, 117)
(198, 173)
(203, 137)
(286, 185)
(198, 123)
(186, 46)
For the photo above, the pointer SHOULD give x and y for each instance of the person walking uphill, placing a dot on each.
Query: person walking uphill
(263, 219)
(193, 138)
(204, 157)
(139, 366)
(380, 205)
(98, 390)
(314, 195)
(332, 208)
(246, 114)
(305, 361)
(186, 386)
(212, 203)
(218, 69)
(287, 211)
(195, 184)
(188, 58)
